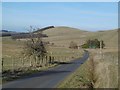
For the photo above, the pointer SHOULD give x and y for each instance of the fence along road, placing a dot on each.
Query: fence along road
(49, 78)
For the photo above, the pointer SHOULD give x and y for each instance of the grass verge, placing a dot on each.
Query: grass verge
(97, 72)
(81, 78)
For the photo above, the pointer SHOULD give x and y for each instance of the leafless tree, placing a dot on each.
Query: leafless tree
(35, 47)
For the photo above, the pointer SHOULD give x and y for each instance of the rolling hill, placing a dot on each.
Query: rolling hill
(62, 36)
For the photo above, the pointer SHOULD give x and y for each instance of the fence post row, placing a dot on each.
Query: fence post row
(48, 59)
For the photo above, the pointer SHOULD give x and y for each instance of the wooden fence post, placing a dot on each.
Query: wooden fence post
(22, 62)
(12, 65)
(46, 60)
(30, 62)
(2, 64)
(49, 59)
(53, 60)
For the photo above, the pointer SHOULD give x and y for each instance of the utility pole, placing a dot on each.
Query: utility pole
(100, 47)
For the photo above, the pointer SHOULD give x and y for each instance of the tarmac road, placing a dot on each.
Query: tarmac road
(49, 78)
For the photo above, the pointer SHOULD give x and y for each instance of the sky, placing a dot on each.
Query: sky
(91, 16)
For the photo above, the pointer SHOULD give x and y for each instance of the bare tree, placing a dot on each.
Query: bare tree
(35, 47)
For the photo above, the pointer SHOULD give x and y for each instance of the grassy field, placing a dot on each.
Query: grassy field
(13, 58)
(105, 70)
(12, 52)
(62, 36)
(96, 72)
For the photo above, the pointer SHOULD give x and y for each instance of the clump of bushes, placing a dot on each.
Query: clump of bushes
(73, 45)
(93, 44)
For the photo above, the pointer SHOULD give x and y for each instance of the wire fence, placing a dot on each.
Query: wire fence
(19, 62)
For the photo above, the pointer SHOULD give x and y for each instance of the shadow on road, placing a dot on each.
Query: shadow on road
(49, 78)
(45, 73)
(62, 62)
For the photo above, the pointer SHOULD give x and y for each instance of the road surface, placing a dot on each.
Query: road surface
(49, 78)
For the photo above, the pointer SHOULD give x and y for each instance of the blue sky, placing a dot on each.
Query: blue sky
(83, 15)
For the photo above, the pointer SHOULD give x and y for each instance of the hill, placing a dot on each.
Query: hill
(62, 36)
(4, 33)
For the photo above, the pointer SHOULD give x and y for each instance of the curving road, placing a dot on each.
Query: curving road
(49, 78)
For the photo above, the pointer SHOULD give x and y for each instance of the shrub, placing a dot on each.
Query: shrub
(85, 46)
(93, 44)
(73, 45)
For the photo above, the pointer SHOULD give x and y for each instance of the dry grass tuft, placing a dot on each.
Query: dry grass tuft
(106, 70)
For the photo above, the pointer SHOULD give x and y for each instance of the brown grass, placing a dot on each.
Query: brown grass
(64, 35)
(81, 78)
(103, 70)
(12, 52)
(106, 69)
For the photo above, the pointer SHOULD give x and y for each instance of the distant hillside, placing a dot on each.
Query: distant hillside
(27, 35)
(43, 29)
(62, 36)
(110, 37)
(4, 33)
